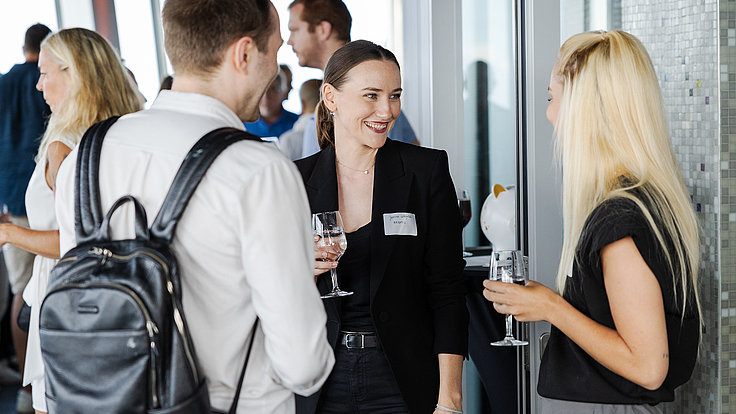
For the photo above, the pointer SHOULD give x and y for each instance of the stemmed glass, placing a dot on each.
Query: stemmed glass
(466, 213)
(328, 226)
(508, 266)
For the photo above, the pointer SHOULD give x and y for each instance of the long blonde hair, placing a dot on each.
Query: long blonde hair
(613, 138)
(98, 86)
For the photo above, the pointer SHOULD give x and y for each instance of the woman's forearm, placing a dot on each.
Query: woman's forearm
(451, 381)
(40, 242)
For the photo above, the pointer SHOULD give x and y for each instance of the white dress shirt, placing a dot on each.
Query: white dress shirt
(244, 246)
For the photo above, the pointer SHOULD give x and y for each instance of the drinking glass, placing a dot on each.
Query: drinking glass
(509, 266)
(328, 226)
(466, 213)
(4, 213)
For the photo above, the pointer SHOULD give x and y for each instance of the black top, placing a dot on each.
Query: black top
(569, 373)
(354, 274)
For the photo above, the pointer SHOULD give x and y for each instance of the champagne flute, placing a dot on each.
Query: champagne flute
(508, 266)
(328, 226)
(466, 213)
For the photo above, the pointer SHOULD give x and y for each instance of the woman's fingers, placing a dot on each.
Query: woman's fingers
(321, 267)
(527, 303)
(507, 298)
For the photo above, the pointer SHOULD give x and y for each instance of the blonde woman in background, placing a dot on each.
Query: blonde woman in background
(626, 325)
(83, 82)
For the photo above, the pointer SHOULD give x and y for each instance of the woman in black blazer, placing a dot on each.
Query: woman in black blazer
(400, 338)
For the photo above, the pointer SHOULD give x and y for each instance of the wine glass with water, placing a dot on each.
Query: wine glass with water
(328, 226)
(509, 266)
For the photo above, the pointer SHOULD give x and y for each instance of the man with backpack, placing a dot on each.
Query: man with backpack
(243, 244)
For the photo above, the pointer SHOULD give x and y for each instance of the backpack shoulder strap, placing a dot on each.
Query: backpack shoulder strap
(190, 173)
(87, 209)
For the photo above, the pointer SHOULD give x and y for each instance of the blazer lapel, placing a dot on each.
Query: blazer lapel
(321, 190)
(391, 188)
(322, 183)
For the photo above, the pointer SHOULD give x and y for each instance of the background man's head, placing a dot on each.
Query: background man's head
(309, 95)
(271, 103)
(289, 77)
(318, 28)
(197, 32)
(34, 36)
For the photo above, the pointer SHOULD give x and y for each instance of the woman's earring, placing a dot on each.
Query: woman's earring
(332, 113)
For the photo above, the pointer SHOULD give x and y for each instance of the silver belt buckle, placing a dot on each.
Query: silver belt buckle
(347, 341)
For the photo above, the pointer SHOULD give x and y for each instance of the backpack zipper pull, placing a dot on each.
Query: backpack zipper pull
(100, 251)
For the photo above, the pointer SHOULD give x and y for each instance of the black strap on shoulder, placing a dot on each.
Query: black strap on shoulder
(234, 406)
(192, 169)
(87, 209)
(88, 215)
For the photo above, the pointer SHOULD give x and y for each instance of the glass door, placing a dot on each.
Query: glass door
(491, 64)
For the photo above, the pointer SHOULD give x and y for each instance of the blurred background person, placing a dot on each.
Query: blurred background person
(290, 142)
(289, 77)
(166, 83)
(274, 120)
(23, 115)
(83, 82)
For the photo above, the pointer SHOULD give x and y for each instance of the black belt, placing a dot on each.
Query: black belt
(358, 340)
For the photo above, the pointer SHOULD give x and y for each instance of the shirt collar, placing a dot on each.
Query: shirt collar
(196, 104)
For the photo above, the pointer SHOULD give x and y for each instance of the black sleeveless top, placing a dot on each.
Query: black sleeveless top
(353, 272)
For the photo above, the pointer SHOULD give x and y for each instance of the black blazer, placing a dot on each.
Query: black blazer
(417, 289)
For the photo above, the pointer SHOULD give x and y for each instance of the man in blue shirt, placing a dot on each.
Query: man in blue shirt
(23, 115)
(274, 119)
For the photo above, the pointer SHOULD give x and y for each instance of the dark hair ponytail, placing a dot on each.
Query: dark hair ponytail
(325, 126)
(342, 61)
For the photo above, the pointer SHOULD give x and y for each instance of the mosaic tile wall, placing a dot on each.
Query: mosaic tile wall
(682, 39)
(727, 172)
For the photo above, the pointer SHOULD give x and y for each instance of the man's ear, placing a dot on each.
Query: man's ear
(328, 97)
(323, 30)
(242, 52)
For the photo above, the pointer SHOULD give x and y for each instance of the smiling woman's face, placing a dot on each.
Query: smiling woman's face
(53, 80)
(367, 104)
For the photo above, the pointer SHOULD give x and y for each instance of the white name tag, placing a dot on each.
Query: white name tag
(399, 224)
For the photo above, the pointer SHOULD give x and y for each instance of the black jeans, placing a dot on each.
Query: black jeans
(361, 382)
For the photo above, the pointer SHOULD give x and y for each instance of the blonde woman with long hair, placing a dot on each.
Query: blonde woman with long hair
(84, 82)
(626, 321)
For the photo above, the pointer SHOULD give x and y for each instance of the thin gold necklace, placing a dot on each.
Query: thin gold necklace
(366, 171)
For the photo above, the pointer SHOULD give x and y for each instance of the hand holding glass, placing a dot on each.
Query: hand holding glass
(508, 266)
(331, 239)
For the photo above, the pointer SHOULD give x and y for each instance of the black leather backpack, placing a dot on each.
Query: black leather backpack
(113, 334)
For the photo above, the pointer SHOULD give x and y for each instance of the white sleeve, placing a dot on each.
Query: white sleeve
(310, 143)
(278, 257)
(64, 202)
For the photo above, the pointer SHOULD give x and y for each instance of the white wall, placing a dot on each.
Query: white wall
(433, 77)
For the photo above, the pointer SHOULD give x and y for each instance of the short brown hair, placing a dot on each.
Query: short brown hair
(196, 32)
(332, 11)
(309, 93)
(34, 35)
